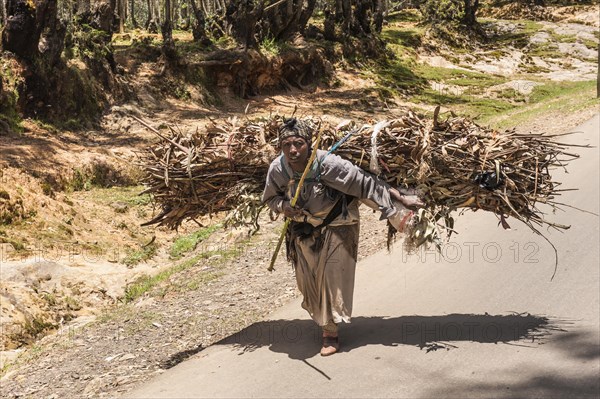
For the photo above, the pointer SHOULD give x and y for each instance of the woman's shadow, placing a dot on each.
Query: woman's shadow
(301, 339)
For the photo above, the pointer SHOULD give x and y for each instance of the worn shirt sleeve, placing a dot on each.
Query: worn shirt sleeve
(274, 192)
(348, 178)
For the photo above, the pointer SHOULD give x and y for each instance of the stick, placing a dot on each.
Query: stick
(153, 130)
(273, 5)
(295, 199)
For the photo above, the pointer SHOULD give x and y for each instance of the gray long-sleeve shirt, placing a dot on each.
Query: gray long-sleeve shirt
(330, 178)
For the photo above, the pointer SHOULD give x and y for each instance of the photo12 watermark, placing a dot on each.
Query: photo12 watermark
(475, 252)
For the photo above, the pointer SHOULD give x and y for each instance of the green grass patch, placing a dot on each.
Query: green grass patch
(563, 38)
(512, 95)
(406, 15)
(224, 254)
(545, 50)
(435, 97)
(203, 278)
(9, 95)
(458, 77)
(221, 256)
(466, 103)
(146, 283)
(551, 98)
(479, 107)
(555, 90)
(189, 242)
(140, 255)
(400, 75)
(405, 76)
(534, 69)
(129, 195)
(591, 44)
(511, 108)
(520, 37)
(405, 37)
(270, 47)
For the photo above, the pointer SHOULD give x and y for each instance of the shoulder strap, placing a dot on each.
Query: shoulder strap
(341, 206)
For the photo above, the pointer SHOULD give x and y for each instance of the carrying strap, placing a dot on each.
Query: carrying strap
(341, 206)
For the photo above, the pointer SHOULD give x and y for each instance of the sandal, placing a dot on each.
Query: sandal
(331, 345)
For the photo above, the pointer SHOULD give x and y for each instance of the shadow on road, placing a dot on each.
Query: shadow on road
(580, 351)
(300, 339)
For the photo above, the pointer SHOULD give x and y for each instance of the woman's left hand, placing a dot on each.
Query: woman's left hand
(409, 201)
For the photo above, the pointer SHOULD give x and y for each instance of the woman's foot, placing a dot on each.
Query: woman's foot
(330, 344)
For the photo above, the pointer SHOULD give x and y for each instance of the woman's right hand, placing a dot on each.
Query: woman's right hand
(289, 211)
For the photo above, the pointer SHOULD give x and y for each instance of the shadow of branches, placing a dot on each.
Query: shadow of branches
(300, 339)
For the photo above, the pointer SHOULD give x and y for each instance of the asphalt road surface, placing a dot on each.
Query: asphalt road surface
(486, 321)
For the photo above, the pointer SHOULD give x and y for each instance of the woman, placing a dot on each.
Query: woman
(322, 240)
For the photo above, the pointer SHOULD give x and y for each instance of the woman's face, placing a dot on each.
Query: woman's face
(295, 150)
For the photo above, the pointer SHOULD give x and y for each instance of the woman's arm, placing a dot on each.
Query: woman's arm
(348, 178)
(274, 194)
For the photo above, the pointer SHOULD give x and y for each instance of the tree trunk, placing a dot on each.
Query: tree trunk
(52, 31)
(175, 14)
(103, 16)
(158, 12)
(83, 8)
(346, 15)
(361, 18)
(11, 7)
(167, 33)
(243, 17)
(306, 14)
(2, 13)
(598, 75)
(20, 35)
(469, 18)
(149, 18)
(329, 25)
(380, 10)
(185, 16)
(284, 21)
(134, 23)
(199, 28)
(34, 34)
(338, 10)
(122, 13)
(153, 17)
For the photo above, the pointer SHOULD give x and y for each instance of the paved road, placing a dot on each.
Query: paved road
(485, 322)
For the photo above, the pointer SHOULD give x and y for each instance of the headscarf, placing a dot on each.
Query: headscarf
(295, 127)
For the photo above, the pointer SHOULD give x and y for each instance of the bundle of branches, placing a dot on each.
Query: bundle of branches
(220, 168)
(457, 164)
(452, 164)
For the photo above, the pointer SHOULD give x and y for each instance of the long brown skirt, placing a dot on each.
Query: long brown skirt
(325, 276)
